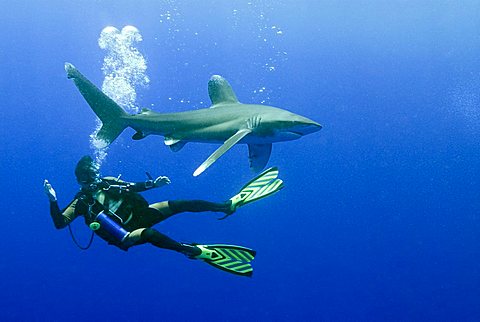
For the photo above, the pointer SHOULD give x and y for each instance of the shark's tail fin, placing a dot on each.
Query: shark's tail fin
(113, 117)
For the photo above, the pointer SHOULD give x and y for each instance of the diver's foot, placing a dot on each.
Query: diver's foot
(230, 208)
(264, 185)
(230, 258)
(191, 251)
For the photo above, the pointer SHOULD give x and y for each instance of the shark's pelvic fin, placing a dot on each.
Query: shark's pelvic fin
(174, 144)
(221, 150)
(110, 113)
(177, 146)
(258, 155)
(170, 141)
(220, 91)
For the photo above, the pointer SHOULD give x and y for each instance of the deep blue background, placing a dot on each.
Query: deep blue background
(379, 219)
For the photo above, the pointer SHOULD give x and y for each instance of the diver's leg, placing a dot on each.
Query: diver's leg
(154, 237)
(173, 207)
(160, 211)
(163, 208)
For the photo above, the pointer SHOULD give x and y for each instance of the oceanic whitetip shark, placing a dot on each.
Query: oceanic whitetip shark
(227, 121)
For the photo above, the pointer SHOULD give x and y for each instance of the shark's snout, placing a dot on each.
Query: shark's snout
(304, 126)
(310, 128)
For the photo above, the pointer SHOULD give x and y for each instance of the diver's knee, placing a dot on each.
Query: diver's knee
(136, 235)
(134, 238)
(175, 206)
(161, 206)
(148, 234)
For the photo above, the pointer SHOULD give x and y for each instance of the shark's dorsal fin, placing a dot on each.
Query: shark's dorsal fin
(220, 91)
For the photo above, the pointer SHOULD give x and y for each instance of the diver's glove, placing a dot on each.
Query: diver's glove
(156, 183)
(161, 181)
(49, 191)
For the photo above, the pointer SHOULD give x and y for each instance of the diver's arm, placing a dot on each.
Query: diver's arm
(139, 186)
(62, 218)
(150, 184)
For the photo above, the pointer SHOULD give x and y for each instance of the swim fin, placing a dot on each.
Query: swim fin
(229, 258)
(264, 185)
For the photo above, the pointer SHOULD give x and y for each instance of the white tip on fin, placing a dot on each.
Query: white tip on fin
(199, 170)
(221, 150)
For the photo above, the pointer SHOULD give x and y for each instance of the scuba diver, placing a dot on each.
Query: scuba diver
(117, 213)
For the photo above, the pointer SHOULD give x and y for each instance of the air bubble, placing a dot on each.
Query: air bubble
(124, 68)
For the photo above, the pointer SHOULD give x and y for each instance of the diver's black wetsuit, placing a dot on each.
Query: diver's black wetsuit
(132, 212)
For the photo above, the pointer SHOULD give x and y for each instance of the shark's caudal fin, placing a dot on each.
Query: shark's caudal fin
(113, 117)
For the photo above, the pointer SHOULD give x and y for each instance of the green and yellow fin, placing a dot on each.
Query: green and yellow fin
(229, 258)
(264, 185)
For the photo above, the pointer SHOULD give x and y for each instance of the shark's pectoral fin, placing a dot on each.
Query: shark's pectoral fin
(221, 150)
(258, 154)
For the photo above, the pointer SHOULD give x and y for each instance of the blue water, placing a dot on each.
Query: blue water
(379, 219)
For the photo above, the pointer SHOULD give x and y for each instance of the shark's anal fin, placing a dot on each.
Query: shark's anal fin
(139, 135)
(221, 150)
(258, 155)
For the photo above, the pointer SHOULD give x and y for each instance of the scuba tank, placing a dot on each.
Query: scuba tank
(103, 221)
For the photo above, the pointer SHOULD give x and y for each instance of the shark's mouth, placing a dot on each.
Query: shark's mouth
(296, 133)
(289, 135)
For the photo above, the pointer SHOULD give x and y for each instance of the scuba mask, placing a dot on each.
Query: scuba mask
(88, 174)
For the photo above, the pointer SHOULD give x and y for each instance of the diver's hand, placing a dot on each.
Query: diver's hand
(161, 181)
(49, 191)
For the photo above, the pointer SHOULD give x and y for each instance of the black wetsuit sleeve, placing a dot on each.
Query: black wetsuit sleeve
(141, 186)
(62, 218)
(131, 186)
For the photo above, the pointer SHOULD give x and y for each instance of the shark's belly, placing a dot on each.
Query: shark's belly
(195, 128)
(204, 135)
(252, 138)
(272, 138)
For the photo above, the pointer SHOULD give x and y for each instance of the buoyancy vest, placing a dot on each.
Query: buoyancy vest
(120, 204)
